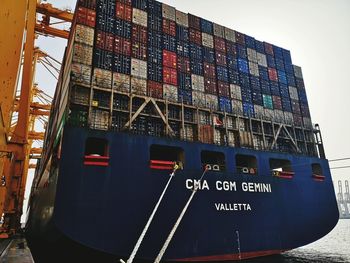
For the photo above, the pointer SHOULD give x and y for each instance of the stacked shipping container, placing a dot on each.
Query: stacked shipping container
(147, 48)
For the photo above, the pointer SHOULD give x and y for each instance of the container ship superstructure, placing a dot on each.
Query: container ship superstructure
(144, 86)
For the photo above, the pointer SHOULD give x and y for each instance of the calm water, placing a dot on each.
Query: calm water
(335, 247)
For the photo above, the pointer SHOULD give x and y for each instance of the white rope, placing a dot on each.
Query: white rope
(139, 241)
(178, 221)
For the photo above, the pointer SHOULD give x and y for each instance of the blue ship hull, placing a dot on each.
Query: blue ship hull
(106, 208)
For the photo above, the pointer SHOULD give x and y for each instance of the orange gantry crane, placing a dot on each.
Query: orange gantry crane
(18, 58)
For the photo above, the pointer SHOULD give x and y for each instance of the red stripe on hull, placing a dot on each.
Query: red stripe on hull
(228, 257)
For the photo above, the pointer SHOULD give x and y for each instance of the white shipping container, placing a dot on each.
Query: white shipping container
(102, 78)
(231, 138)
(187, 133)
(259, 111)
(261, 59)
(288, 118)
(211, 101)
(279, 116)
(237, 107)
(197, 82)
(269, 114)
(139, 17)
(121, 82)
(230, 123)
(204, 117)
(253, 69)
(230, 34)
(181, 18)
(307, 122)
(235, 92)
(217, 137)
(82, 54)
(138, 86)
(207, 40)
(297, 72)
(252, 55)
(81, 74)
(219, 30)
(99, 119)
(293, 93)
(138, 68)
(169, 12)
(198, 99)
(170, 93)
(84, 34)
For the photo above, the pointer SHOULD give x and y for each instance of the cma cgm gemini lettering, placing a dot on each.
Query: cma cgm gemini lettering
(145, 88)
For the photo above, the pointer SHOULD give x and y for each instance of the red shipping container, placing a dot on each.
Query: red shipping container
(155, 89)
(240, 38)
(183, 64)
(124, 11)
(195, 36)
(139, 34)
(210, 86)
(223, 89)
(209, 70)
(169, 27)
(170, 76)
(91, 18)
(219, 44)
(81, 15)
(126, 2)
(273, 74)
(268, 48)
(109, 42)
(139, 51)
(194, 22)
(277, 102)
(122, 46)
(220, 58)
(100, 39)
(169, 59)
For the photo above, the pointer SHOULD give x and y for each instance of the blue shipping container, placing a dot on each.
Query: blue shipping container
(140, 4)
(275, 89)
(105, 23)
(291, 80)
(155, 7)
(122, 28)
(155, 22)
(286, 56)
(243, 65)
(259, 46)
(233, 76)
(263, 73)
(254, 83)
(277, 51)
(232, 62)
(257, 98)
(197, 67)
(105, 7)
(206, 26)
(279, 64)
(184, 81)
(286, 106)
(185, 96)
(246, 94)
(302, 96)
(121, 64)
(155, 39)
(208, 55)
(183, 49)
(244, 80)
(155, 55)
(241, 52)
(270, 61)
(196, 52)
(102, 59)
(250, 41)
(284, 90)
(222, 73)
(225, 105)
(169, 43)
(182, 33)
(300, 83)
(155, 72)
(282, 77)
(248, 109)
(289, 68)
(265, 87)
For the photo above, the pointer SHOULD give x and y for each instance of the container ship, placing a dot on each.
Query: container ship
(144, 86)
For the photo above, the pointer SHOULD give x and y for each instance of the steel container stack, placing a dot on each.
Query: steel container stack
(147, 48)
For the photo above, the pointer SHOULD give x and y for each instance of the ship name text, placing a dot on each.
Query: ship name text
(250, 187)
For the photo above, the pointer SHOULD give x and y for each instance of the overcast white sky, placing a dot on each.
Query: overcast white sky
(316, 31)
